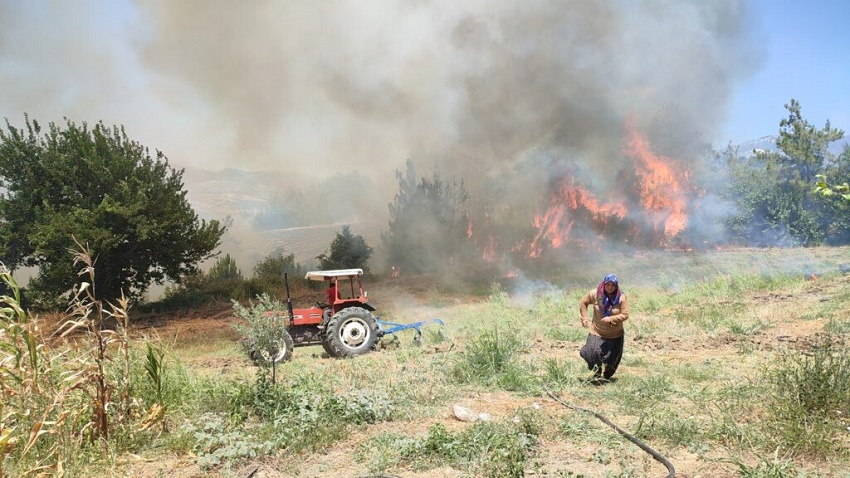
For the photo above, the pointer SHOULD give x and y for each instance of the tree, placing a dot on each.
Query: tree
(347, 251)
(275, 264)
(777, 203)
(429, 222)
(828, 188)
(224, 268)
(97, 187)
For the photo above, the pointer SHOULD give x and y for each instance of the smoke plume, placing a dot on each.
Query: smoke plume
(489, 91)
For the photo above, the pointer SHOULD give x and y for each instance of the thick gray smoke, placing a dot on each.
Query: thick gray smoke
(295, 84)
(318, 88)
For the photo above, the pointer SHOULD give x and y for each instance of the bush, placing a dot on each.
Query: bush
(264, 327)
(491, 359)
(808, 397)
(489, 449)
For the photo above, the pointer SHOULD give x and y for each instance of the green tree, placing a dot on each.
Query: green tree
(775, 191)
(98, 187)
(827, 188)
(224, 268)
(268, 273)
(428, 223)
(347, 251)
(275, 264)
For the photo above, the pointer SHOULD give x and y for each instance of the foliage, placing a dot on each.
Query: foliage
(270, 269)
(774, 190)
(224, 281)
(428, 222)
(224, 269)
(306, 413)
(347, 251)
(775, 467)
(263, 329)
(59, 403)
(808, 397)
(488, 448)
(98, 187)
(829, 189)
(215, 445)
(491, 358)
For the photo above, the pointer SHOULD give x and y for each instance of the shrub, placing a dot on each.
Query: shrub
(491, 359)
(264, 327)
(488, 448)
(808, 393)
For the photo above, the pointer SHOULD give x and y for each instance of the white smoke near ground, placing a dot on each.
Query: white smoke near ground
(476, 88)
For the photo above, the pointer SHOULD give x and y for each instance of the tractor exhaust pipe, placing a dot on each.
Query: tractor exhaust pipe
(288, 300)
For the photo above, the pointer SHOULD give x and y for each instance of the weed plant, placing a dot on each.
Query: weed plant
(306, 413)
(495, 449)
(491, 359)
(808, 394)
(72, 406)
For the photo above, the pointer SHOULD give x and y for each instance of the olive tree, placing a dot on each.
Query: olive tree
(95, 186)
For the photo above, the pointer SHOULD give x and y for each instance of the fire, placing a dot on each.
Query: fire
(566, 203)
(662, 195)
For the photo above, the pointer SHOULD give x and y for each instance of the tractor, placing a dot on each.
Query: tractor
(344, 325)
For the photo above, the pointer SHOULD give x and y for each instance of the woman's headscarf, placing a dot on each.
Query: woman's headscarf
(608, 301)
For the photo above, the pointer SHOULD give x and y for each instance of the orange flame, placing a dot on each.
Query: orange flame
(660, 189)
(555, 224)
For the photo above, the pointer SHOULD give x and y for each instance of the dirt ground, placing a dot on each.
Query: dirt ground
(215, 324)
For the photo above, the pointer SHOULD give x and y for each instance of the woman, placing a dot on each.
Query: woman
(604, 347)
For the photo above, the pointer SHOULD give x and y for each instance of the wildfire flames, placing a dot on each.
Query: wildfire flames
(659, 186)
(661, 192)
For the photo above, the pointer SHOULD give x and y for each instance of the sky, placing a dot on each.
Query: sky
(348, 85)
(806, 56)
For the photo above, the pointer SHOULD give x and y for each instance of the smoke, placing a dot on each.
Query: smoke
(338, 83)
(479, 88)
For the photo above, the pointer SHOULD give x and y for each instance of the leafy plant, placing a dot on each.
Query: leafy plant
(347, 251)
(99, 186)
(488, 448)
(428, 219)
(263, 327)
(808, 396)
(491, 359)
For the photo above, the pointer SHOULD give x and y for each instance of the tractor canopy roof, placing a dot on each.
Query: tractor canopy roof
(324, 275)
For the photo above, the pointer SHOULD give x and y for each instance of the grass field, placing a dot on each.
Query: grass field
(736, 365)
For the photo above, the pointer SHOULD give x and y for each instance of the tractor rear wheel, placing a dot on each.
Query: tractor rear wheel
(351, 332)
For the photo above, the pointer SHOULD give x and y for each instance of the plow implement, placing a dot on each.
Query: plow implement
(393, 327)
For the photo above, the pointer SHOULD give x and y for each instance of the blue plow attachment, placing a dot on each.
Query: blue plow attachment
(393, 327)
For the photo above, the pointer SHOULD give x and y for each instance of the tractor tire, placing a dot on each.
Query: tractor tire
(351, 332)
(275, 354)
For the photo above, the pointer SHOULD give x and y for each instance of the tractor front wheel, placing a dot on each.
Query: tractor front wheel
(351, 332)
(280, 351)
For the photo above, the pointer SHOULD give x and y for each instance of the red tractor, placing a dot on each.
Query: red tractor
(345, 325)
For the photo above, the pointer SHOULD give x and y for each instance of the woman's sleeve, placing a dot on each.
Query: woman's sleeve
(624, 311)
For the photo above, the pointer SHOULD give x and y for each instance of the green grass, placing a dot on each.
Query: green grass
(766, 412)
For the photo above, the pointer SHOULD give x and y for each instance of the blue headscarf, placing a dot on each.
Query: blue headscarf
(607, 301)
